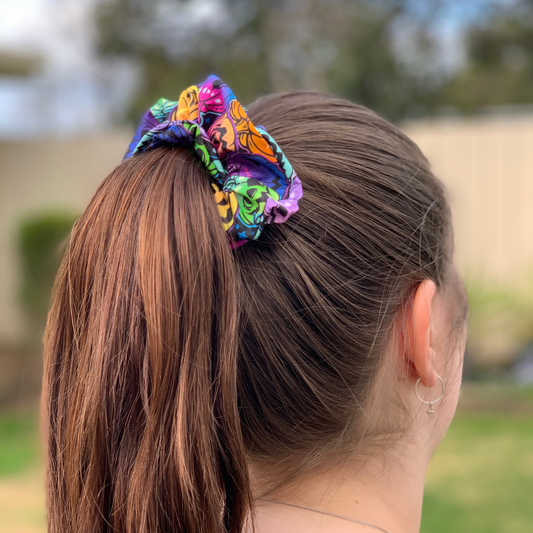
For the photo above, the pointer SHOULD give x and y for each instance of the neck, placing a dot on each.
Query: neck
(386, 491)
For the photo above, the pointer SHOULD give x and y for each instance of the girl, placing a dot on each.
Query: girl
(254, 327)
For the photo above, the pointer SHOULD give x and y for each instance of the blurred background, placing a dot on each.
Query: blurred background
(455, 75)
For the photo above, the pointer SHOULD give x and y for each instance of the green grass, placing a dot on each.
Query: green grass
(480, 479)
(19, 443)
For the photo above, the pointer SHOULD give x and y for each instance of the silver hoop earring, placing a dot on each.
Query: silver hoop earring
(430, 404)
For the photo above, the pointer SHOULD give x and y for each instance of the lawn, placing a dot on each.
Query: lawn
(21, 476)
(480, 480)
(19, 443)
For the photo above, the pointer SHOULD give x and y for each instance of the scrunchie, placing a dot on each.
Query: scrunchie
(254, 183)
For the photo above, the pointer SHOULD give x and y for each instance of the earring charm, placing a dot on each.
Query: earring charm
(431, 411)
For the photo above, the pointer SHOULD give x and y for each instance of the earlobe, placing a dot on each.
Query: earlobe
(420, 352)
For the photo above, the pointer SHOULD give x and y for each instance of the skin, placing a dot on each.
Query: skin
(386, 489)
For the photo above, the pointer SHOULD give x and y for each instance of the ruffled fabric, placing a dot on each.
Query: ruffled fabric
(253, 182)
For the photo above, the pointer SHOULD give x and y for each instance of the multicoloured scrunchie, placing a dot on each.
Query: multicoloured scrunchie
(254, 183)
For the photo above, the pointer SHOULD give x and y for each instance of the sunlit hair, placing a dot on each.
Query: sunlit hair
(171, 360)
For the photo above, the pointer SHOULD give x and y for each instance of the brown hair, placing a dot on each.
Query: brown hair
(170, 360)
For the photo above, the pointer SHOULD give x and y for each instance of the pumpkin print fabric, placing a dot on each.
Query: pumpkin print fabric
(253, 182)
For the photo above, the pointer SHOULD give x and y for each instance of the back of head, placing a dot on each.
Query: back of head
(320, 296)
(173, 361)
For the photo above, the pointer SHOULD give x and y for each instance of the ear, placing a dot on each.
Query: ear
(419, 351)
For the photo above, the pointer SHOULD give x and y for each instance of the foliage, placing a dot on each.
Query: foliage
(499, 69)
(385, 54)
(41, 241)
(174, 51)
(260, 46)
(500, 322)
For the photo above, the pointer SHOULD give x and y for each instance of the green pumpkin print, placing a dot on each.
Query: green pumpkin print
(251, 195)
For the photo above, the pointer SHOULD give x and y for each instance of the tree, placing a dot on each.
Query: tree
(499, 68)
(257, 46)
(176, 45)
(385, 54)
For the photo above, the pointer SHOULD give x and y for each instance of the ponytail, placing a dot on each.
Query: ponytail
(140, 356)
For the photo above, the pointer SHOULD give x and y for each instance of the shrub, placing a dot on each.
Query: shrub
(41, 241)
(500, 322)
